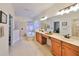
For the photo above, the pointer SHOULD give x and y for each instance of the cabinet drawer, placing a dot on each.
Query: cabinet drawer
(76, 48)
(44, 36)
(69, 52)
(56, 47)
(56, 40)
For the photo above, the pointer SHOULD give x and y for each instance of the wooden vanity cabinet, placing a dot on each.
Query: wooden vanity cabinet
(60, 48)
(69, 49)
(56, 47)
(44, 39)
(38, 37)
(41, 38)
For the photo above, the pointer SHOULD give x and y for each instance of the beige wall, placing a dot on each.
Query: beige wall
(4, 47)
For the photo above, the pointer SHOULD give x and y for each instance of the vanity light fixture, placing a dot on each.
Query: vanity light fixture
(62, 12)
(76, 7)
(73, 7)
(67, 11)
(43, 18)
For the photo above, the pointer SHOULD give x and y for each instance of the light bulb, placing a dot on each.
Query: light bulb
(58, 13)
(74, 8)
(62, 12)
(44, 18)
(67, 11)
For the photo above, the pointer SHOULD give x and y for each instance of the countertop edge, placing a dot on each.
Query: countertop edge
(60, 37)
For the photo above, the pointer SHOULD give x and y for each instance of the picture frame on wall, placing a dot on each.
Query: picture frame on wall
(3, 17)
(64, 23)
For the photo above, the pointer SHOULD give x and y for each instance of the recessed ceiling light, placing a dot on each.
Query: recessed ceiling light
(43, 18)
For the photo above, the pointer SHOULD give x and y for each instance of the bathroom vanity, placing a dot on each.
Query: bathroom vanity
(60, 46)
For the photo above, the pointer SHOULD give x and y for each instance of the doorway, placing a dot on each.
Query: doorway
(30, 29)
(10, 29)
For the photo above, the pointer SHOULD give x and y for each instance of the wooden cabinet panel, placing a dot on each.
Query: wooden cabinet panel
(56, 47)
(60, 48)
(44, 40)
(69, 50)
(76, 48)
(40, 38)
(37, 36)
(56, 40)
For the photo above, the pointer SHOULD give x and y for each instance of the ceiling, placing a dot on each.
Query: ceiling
(32, 10)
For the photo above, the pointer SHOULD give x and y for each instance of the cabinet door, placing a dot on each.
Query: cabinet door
(38, 37)
(68, 52)
(44, 40)
(56, 48)
(41, 38)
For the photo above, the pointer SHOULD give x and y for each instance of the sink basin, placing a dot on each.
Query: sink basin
(66, 36)
(49, 33)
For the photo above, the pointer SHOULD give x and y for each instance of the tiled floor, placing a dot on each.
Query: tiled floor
(29, 47)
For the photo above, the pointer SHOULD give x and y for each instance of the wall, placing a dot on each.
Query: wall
(22, 24)
(17, 33)
(4, 47)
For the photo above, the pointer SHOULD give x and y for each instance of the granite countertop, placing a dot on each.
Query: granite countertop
(72, 40)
